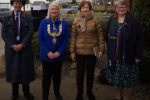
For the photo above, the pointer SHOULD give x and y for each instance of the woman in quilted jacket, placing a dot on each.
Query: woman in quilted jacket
(86, 33)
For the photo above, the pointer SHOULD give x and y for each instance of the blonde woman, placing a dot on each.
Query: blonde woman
(125, 41)
(53, 36)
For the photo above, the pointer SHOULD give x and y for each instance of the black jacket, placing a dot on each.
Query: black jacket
(135, 39)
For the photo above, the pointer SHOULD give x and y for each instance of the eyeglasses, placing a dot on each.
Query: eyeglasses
(84, 7)
(119, 8)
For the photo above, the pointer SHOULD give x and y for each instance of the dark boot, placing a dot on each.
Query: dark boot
(14, 97)
(79, 97)
(57, 92)
(27, 94)
(58, 96)
(45, 97)
(15, 93)
(56, 86)
(118, 99)
(45, 89)
(90, 95)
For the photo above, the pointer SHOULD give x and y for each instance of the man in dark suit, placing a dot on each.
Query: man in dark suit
(17, 31)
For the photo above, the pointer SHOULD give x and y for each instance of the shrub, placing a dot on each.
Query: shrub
(70, 21)
(35, 44)
(144, 67)
(103, 22)
(68, 58)
(73, 2)
(141, 9)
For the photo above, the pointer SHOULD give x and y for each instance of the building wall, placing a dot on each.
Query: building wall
(64, 0)
(36, 7)
(78, 0)
(43, 6)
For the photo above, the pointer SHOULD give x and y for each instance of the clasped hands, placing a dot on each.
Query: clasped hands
(137, 61)
(18, 47)
(53, 55)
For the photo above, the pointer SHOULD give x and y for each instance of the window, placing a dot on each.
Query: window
(4, 9)
(69, 12)
(76, 8)
(63, 12)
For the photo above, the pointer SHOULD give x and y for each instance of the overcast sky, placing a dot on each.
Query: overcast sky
(7, 1)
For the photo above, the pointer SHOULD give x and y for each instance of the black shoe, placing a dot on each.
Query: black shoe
(79, 97)
(29, 96)
(120, 99)
(58, 96)
(45, 97)
(14, 97)
(90, 95)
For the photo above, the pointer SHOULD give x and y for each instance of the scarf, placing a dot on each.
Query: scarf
(84, 18)
(117, 41)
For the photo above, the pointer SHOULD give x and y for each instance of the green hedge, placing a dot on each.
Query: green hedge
(35, 44)
(141, 10)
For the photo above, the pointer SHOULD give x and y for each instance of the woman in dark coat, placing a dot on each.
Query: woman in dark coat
(125, 41)
(18, 49)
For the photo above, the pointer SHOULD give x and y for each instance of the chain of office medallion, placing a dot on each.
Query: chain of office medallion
(54, 34)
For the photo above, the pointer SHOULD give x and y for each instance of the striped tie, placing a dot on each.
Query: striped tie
(17, 25)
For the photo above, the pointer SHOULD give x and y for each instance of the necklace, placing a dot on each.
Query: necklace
(54, 34)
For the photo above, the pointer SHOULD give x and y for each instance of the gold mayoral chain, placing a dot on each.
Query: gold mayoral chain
(54, 34)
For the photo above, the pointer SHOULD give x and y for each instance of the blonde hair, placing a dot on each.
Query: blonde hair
(49, 9)
(121, 2)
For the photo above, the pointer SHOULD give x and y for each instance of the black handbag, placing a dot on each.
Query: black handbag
(102, 77)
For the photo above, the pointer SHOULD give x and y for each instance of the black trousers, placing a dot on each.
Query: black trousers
(15, 87)
(90, 66)
(51, 69)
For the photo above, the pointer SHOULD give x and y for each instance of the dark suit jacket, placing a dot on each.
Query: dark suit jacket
(135, 39)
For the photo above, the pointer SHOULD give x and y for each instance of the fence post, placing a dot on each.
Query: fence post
(130, 5)
(32, 11)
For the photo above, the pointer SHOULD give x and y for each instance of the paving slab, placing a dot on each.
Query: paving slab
(68, 90)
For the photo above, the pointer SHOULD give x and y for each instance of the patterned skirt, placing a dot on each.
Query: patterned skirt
(125, 76)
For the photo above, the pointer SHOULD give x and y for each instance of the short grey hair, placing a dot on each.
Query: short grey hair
(49, 9)
(120, 2)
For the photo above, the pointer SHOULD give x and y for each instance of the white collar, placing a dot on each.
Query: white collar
(17, 13)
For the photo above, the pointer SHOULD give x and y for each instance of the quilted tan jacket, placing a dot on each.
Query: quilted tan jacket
(82, 43)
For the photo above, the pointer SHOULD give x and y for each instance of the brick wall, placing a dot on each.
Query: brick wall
(128, 2)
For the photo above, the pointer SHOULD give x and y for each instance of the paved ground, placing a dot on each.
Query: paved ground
(68, 90)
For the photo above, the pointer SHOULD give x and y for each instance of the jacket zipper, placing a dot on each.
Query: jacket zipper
(85, 42)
